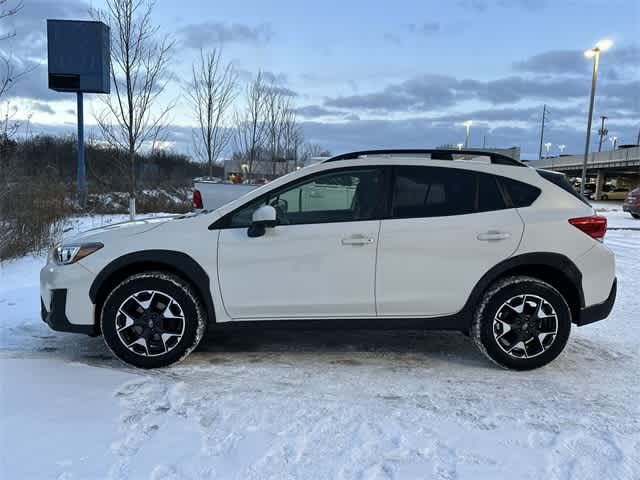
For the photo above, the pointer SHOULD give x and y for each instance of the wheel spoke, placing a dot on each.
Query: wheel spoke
(508, 339)
(129, 322)
(167, 336)
(170, 309)
(533, 346)
(140, 341)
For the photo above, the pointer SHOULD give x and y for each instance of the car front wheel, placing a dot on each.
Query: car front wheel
(522, 323)
(152, 320)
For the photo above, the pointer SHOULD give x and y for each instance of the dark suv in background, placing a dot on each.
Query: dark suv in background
(632, 203)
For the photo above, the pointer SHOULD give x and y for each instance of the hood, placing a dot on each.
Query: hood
(120, 229)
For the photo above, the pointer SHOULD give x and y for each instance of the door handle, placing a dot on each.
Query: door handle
(493, 236)
(357, 240)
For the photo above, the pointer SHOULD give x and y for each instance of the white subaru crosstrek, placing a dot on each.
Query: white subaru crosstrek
(430, 239)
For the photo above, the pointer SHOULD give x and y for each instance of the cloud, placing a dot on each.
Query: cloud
(318, 112)
(615, 63)
(197, 35)
(315, 111)
(484, 5)
(431, 92)
(42, 107)
(426, 28)
(29, 25)
(418, 93)
(287, 92)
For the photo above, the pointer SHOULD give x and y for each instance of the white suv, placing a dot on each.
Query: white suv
(431, 239)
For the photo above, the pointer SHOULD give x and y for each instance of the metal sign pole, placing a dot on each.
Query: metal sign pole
(82, 185)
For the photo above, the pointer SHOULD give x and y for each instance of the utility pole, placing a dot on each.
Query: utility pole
(602, 132)
(544, 117)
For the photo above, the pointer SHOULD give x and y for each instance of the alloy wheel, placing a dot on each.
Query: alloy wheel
(150, 323)
(525, 326)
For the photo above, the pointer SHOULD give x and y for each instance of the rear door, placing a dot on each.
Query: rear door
(447, 228)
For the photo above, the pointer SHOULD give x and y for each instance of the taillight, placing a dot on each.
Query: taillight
(595, 226)
(197, 199)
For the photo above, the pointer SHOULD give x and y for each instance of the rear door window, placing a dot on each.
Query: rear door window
(437, 192)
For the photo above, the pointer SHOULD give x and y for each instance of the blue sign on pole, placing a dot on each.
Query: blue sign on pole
(78, 60)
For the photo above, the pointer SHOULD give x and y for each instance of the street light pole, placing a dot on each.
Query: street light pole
(548, 147)
(601, 46)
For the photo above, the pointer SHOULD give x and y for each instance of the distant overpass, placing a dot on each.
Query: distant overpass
(622, 164)
(625, 161)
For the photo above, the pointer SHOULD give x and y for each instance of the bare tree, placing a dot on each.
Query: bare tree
(292, 137)
(9, 9)
(212, 91)
(311, 150)
(8, 71)
(139, 63)
(250, 126)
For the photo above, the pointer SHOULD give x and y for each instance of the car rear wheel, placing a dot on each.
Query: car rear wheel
(522, 323)
(152, 320)
(635, 215)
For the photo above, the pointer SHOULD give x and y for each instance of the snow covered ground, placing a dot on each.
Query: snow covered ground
(330, 405)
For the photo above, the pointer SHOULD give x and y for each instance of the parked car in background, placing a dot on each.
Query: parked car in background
(431, 239)
(609, 192)
(589, 190)
(632, 203)
(211, 194)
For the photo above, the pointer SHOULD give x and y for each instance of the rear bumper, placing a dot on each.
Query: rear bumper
(55, 316)
(599, 311)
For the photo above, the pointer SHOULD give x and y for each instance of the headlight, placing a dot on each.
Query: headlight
(72, 252)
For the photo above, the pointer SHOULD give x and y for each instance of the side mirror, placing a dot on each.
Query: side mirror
(263, 218)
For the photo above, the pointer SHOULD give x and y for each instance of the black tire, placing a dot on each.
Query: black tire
(191, 321)
(636, 215)
(604, 197)
(486, 328)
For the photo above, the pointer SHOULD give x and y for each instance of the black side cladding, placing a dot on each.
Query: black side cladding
(561, 181)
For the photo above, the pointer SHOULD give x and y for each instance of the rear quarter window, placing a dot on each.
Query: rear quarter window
(561, 181)
(521, 194)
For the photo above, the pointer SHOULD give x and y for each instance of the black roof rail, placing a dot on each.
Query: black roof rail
(435, 154)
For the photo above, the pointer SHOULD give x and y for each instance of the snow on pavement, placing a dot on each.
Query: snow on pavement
(320, 404)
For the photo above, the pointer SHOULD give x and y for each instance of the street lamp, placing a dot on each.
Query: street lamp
(561, 147)
(467, 124)
(601, 46)
(613, 141)
(460, 145)
(548, 147)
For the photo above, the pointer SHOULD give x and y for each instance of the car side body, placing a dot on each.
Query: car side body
(388, 268)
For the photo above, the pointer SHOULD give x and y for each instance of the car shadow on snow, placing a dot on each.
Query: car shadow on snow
(346, 347)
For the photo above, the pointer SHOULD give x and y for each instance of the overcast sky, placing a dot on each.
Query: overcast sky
(370, 74)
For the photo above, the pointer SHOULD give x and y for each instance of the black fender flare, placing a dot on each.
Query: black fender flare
(178, 262)
(567, 271)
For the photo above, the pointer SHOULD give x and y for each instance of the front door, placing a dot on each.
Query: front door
(319, 261)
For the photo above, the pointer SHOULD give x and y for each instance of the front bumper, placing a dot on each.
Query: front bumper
(599, 311)
(56, 316)
(64, 297)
